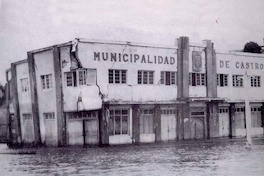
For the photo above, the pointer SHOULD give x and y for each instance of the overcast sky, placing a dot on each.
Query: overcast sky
(30, 24)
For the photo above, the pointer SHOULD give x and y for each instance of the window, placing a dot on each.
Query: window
(168, 111)
(223, 110)
(82, 77)
(82, 115)
(168, 78)
(91, 76)
(77, 77)
(145, 77)
(238, 80)
(222, 80)
(146, 121)
(70, 79)
(27, 117)
(117, 76)
(197, 79)
(46, 81)
(119, 122)
(255, 81)
(24, 85)
(49, 116)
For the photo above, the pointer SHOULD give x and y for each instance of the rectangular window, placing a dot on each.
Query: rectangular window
(24, 85)
(222, 80)
(119, 122)
(223, 110)
(82, 77)
(117, 76)
(46, 81)
(145, 77)
(91, 76)
(48, 116)
(27, 117)
(237, 80)
(255, 81)
(197, 79)
(168, 78)
(70, 79)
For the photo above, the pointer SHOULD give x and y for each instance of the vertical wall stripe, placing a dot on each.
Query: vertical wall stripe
(135, 123)
(232, 122)
(34, 97)
(103, 125)
(157, 123)
(61, 125)
(210, 62)
(16, 103)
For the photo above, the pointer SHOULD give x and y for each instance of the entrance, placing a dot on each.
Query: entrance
(83, 128)
(197, 124)
(168, 124)
(91, 131)
(28, 128)
(223, 121)
(50, 129)
(147, 124)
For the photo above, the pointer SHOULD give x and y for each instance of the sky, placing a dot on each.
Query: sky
(29, 24)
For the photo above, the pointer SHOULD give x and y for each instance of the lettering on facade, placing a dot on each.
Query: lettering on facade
(242, 65)
(133, 58)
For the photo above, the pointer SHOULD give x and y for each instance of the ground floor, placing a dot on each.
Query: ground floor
(145, 123)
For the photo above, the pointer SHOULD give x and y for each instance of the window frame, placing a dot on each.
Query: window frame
(46, 81)
(222, 80)
(238, 82)
(146, 77)
(24, 82)
(112, 117)
(172, 80)
(255, 81)
(197, 79)
(118, 76)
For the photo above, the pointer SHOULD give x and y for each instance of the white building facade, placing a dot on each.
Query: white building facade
(89, 92)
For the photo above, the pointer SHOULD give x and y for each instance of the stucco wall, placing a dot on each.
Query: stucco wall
(240, 64)
(24, 98)
(131, 90)
(44, 64)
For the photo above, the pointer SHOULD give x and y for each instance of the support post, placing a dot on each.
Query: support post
(103, 121)
(232, 120)
(16, 105)
(61, 123)
(34, 98)
(135, 123)
(248, 111)
(157, 123)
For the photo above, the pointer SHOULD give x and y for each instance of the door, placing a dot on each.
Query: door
(168, 124)
(75, 132)
(28, 128)
(197, 124)
(50, 135)
(224, 121)
(91, 131)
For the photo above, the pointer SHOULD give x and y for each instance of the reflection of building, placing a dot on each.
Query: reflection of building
(93, 92)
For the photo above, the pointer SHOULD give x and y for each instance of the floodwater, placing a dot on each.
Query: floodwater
(189, 158)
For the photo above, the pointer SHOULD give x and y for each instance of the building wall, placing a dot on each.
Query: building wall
(90, 94)
(133, 91)
(199, 90)
(24, 97)
(44, 64)
(240, 64)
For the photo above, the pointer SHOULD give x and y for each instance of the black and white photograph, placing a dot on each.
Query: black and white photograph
(134, 88)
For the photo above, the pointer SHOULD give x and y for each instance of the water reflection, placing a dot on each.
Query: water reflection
(154, 159)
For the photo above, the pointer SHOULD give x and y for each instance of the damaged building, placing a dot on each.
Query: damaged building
(90, 92)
